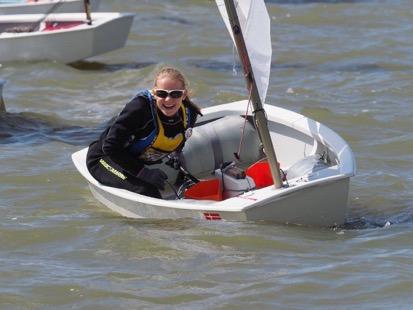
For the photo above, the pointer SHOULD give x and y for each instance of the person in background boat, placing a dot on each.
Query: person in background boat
(154, 124)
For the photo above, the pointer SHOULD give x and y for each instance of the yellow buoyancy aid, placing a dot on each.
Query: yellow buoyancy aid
(163, 145)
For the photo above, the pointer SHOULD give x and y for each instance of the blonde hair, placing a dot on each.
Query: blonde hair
(172, 73)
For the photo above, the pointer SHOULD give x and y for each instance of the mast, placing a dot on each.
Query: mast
(86, 4)
(2, 106)
(259, 113)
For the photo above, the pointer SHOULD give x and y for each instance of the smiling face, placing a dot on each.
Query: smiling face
(169, 106)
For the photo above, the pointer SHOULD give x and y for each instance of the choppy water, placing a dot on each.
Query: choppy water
(348, 64)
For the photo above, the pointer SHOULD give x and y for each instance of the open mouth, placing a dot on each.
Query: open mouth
(168, 107)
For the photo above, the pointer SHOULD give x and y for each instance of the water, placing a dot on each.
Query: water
(347, 64)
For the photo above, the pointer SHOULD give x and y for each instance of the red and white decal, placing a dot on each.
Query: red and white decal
(212, 216)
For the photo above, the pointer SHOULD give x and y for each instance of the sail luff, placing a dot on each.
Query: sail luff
(259, 113)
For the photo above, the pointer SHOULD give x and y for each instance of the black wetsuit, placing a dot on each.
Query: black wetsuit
(112, 159)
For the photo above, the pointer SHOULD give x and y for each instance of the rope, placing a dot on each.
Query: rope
(241, 142)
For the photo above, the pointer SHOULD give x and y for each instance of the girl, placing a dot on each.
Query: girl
(152, 125)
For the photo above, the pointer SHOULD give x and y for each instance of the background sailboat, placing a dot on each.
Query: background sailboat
(65, 37)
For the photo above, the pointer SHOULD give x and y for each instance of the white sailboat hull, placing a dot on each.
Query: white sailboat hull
(46, 6)
(109, 31)
(316, 199)
(319, 205)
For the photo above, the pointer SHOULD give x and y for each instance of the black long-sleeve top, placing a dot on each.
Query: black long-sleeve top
(134, 122)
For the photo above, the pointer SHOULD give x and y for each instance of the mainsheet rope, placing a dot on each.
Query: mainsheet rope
(241, 142)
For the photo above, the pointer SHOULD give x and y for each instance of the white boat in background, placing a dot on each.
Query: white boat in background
(8, 7)
(62, 37)
(243, 181)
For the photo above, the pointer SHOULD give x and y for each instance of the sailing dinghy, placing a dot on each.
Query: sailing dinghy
(306, 183)
(62, 37)
(8, 7)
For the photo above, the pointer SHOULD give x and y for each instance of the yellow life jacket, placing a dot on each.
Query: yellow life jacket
(163, 145)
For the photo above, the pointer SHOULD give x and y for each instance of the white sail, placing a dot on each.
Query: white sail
(255, 25)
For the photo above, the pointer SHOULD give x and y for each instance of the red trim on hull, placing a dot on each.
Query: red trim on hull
(52, 26)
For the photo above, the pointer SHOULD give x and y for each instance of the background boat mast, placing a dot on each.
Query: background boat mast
(86, 4)
(2, 105)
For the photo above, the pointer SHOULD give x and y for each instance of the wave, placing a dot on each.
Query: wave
(33, 128)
